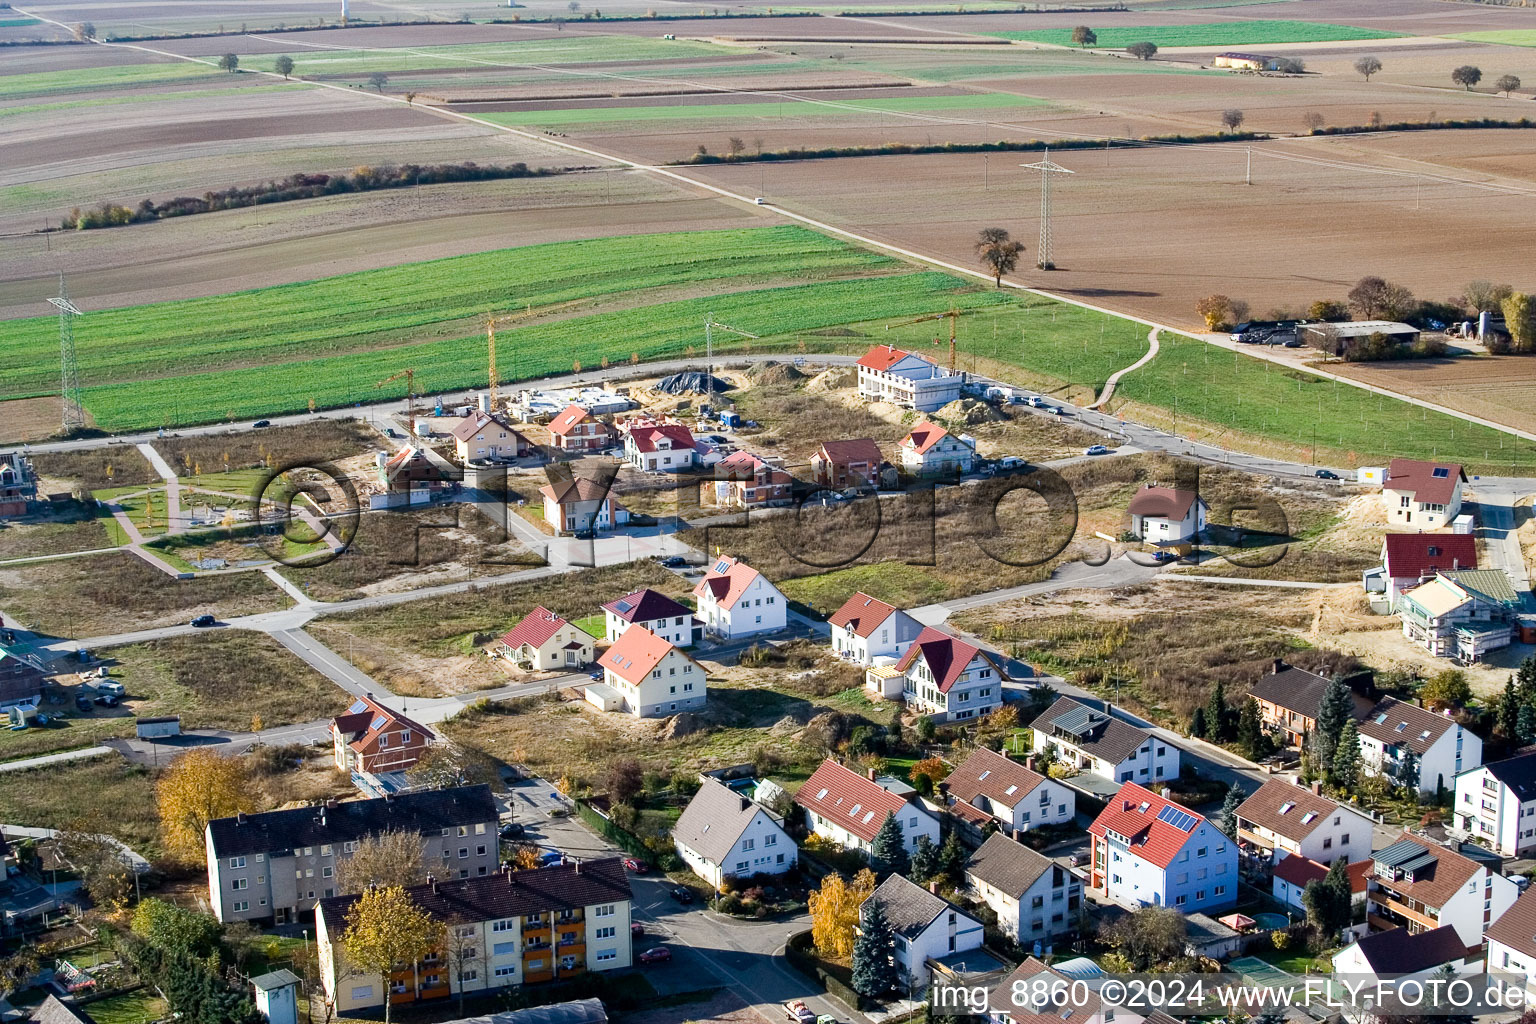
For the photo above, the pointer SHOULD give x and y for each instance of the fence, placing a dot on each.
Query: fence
(623, 839)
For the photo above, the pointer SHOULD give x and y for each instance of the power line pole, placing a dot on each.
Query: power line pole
(1044, 256)
(69, 369)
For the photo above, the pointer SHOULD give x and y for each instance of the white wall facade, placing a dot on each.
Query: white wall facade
(1489, 812)
(675, 684)
(1155, 761)
(913, 820)
(676, 629)
(888, 640)
(763, 848)
(953, 931)
(760, 609)
(1043, 911)
(1455, 751)
(976, 692)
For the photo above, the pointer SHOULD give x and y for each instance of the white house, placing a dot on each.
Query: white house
(1512, 946)
(735, 600)
(926, 926)
(485, 436)
(1034, 897)
(722, 834)
(1402, 952)
(1281, 819)
(650, 610)
(1151, 851)
(1463, 613)
(1399, 740)
(545, 642)
(1496, 805)
(864, 629)
(930, 450)
(1293, 873)
(1096, 742)
(659, 447)
(891, 375)
(988, 786)
(579, 505)
(1408, 559)
(849, 808)
(950, 680)
(647, 676)
(1424, 495)
(1167, 517)
(1419, 886)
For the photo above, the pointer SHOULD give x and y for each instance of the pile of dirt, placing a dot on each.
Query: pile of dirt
(835, 379)
(774, 373)
(692, 382)
(678, 726)
(968, 411)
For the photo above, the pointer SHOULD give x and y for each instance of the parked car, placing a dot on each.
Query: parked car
(636, 865)
(682, 894)
(1326, 474)
(551, 857)
(1164, 556)
(108, 700)
(596, 675)
(511, 830)
(636, 929)
(799, 1013)
(83, 702)
(204, 621)
(1096, 449)
(1036, 402)
(655, 955)
(674, 562)
(261, 423)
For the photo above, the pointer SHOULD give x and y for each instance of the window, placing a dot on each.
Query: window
(261, 879)
(349, 847)
(604, 933)
(237, 884)
(606, 910)
(1328, 843)
(471, 974)
(604, 955)
(503, 926)
(1344, 839)
(508, 971)
(1178, 901)
(327, 871)
(1221, 890)
(325, 851)
(242, 906)
(480, 851)
(463, 852)
(1200, 895)
(771, 840)
(362, 993)
(237, 862)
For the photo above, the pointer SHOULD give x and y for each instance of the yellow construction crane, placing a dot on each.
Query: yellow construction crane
(952, 314)
(493, 377)
(410, 395)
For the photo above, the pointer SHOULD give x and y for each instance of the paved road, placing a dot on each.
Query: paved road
(1496, 498)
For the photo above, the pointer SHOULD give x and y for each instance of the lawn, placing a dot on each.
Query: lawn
(525, 53)
(905, 586)
(594, 626)
(1220, 33)
(771, 111)
(138, 1007)
(108, 790)
(1508, 37)
(51, 83)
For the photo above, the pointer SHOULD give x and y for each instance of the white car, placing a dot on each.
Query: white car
(1097, 449)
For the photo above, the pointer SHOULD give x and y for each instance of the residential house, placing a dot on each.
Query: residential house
(842, 465)
(581, 505)
(371, 739)
(653, 447)
(744, 480)
(1037, 994)
(926, 926)
(650, 610)
(1512, 947)
(988, 786)
(1496, 805)
(950, 680)
(53, 1010)
(21, 682)
(1149, 850)
(1290, 699)
(1034, 897)
(849, 808)
(901, 378)
(18, 484)
(930, 450)
(546, 642)
(1420, 886)
(1424, 495)
(1282, 819)
(509, 928)
(486, 436)
(1293, 873)
(1400, 953)
(1399, 740)
(420, 473)
(1167, 517)
(864, 629)
(1461, 614)
(649, 677)
(1409, 559)
(1094, 741)
(576, 430)
(277, 864)
(735, 600)
(724, 835)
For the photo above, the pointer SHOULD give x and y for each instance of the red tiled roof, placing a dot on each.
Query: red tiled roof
(1516, 928)
(1133, 812)
(535, 628)
(1030, 1005)
(727, 579)
(366, 718)
(1300, 870)
(646, 606)
(946, 656)
(924, 436)
(863, 613)
(645, 437)
(993, 775)
(859, 449)
(1163, 502)
(1432, 483)
(578, 488)
(746, 467)
(567, 419)
(1416, 555)
(635, 654)
(882, 357)
(848, 799)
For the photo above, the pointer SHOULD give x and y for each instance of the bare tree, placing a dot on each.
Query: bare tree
(735, 146)
(1313, 120)
(1467, 75)
(998, 253)
(1232, 119)
(1375, 299)
(1506, 84)
(1483, 295)
(378, 80)
(623, 779)
(461, 948)
(392, 857)
(1368, 66)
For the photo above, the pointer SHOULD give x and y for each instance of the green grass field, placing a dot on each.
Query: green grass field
(764, 111)
(124, 76)
(1508, 37)
(1221, 33)
(572, 50)
(411, 303)
(18, 22)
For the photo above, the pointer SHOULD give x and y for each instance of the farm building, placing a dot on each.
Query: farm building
(1338, 339)
(1246, 61)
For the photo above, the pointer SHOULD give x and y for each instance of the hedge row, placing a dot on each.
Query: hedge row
(909, 149)
(1425, 126)
(626, 841)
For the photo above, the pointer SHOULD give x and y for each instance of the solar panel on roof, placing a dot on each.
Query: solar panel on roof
(623, 606)
(356, 707)
(721, 567)
(378, 721)
(1440, 473)
(1179, 819)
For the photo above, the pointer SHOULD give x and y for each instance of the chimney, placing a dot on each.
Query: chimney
(239, 817)
(933, 887)
(1279, 665)
(432, 881)
(1317, 787)
(1029, 762)
(871, 773)
(1109, 709)
(578, 865)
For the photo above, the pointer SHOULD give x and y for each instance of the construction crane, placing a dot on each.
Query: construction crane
(711, 325)
(490, 343)
(410, 395)
(953, 314)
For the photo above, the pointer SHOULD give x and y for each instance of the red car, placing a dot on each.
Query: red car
(639, 867)
(636, 929)
(659, 955)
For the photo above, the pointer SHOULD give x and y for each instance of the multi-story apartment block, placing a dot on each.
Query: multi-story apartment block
(278, 864)
(1496, 805)
(988, 786)
(1400, 740)
(1281, 819)
(1034, 897)
(849, 808)
(1095, 741)
(890, 375)
(1420, 886)
(1151, 851)
(503, 929)
(950, 680)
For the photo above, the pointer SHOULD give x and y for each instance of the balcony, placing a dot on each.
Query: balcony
(1401, 912)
